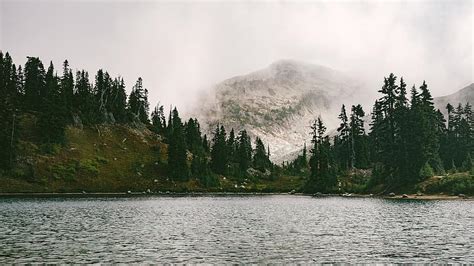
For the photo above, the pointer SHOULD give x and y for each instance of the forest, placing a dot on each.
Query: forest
(409, 141)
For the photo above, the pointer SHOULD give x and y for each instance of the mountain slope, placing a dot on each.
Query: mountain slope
(462, 96)
(279, 103)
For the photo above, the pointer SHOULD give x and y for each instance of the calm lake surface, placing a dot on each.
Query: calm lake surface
(248, 229)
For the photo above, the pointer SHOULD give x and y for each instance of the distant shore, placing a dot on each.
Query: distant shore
(180, 194)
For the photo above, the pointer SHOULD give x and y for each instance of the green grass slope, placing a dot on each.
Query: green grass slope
(110, 158)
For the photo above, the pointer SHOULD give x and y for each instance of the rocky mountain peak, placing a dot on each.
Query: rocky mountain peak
(278, 103)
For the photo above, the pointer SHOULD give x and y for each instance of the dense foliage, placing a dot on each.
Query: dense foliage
(408, 140)
(58, 101)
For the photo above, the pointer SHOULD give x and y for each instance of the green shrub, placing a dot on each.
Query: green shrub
(454, 184)
(210, 180)
(89, 166)
(426, 171)
(50, 148)
(60, 171)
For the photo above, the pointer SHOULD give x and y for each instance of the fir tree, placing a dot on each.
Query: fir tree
(244, 151)
(138, 102)
(219, 155)
(158, 120)
(177, 157)
(260, 158)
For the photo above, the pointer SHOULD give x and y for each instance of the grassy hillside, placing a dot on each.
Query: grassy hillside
(109, 158)
(119, 158)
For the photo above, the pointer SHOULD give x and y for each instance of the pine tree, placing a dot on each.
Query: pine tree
(52, 120)
(34, 84)
(10, 87)
(138, 102)
(158, 120)
(322, 177)
(177, 157)
(244, 151)
(358, 143)
(67, 89)
(193, 136)
(83, 99)
(118, 100)
(342, 141)
(260, 158)
(219, 155)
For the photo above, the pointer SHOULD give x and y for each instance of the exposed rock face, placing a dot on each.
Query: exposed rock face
(463, 96)
(279, 103)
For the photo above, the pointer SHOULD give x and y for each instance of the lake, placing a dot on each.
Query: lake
(231, 229)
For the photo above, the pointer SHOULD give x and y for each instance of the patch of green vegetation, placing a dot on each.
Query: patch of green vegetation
(50, 148)
(90, 166)
(460, 183)
(101, 159)
(67, 171)
(426, 171)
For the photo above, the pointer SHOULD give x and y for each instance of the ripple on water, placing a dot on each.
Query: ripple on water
(252, 229)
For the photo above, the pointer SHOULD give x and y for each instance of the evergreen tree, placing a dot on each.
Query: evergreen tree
(52, 120)
(260, 158)
(358, 143)
(34, 84)
(205, 144)
(67, 89)
(10, 87)
(177, 157)
(158, 120)
(83, 99)
(322, 177)
(219, 155)
(193, 136)
(342, 142)
(138, 102)
(244, 151)
(117, 103)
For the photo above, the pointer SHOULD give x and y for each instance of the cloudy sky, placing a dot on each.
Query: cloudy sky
(181, 48)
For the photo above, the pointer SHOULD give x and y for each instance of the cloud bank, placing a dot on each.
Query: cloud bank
(183, 48)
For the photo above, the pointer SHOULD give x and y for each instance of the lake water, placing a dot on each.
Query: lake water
(247, 229)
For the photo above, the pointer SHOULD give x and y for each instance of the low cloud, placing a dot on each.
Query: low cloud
(183, 48)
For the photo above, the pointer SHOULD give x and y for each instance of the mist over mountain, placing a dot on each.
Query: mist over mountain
(278, 103)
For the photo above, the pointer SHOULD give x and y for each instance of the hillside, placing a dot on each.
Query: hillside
(278, 103)
(109, 158)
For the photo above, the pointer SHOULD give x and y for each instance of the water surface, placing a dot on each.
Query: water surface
(248, 229)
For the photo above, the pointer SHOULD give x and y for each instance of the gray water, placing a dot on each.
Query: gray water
(247, 229)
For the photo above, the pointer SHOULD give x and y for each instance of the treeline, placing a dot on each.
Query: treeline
(57, 101)
(409, 140)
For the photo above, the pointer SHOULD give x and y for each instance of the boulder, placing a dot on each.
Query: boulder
(391, 194)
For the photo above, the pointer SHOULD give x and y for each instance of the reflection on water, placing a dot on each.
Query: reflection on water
(250, 229)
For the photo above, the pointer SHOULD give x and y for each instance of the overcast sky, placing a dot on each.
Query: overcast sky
(180, 48)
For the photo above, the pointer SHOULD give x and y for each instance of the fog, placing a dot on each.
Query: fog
(182, 48)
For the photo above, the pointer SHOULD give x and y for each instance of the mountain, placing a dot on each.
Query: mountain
(462, 96)
(279, 103)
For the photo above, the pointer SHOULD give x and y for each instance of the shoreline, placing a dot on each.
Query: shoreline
(198, 194)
